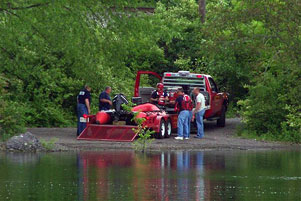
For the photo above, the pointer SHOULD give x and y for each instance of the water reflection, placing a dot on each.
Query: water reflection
(22, 158)
(164, 176)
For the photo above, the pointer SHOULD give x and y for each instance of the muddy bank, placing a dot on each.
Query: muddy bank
(215, 139)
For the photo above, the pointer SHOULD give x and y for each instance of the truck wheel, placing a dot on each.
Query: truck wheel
(168, 129)
(162, 130)
(221, 122)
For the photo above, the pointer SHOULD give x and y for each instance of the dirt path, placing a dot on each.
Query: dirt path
(215, 138)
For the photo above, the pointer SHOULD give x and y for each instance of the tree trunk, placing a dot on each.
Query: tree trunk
(202, 9)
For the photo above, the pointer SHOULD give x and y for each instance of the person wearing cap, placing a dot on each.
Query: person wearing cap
(199, 111)
(159, 96)
(83, 108)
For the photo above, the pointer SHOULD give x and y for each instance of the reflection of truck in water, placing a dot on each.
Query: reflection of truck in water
(157, 176)
(162, 120)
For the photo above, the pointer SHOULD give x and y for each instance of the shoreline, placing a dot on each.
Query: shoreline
(215, 139)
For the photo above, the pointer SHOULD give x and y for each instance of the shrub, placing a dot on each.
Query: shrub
(11, 113)
(11, 119)
(263, 110)
(291, 128)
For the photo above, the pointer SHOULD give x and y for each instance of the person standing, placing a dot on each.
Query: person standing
(105, 102)
(159, 96)
(83, 108)
(187, 91)
(183, 105)
(199, 111)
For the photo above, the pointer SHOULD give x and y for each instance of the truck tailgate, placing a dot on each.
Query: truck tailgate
(120, 133)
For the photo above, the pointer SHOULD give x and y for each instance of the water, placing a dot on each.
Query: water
(180, 175)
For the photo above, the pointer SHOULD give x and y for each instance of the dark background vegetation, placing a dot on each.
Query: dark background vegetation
(50, 49)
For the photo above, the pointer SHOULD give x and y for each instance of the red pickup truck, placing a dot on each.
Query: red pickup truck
(216, 101)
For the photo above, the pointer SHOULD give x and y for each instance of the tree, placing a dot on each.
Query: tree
(202, 10)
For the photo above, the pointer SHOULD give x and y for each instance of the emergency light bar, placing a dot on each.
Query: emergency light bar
(172, 81)
(184, 73)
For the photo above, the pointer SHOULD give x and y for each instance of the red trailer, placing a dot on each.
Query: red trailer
(104, 126)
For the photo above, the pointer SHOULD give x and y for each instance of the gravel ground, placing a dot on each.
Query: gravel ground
(215, 139)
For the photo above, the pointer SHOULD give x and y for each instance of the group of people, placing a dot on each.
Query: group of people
(185, 108)
(187, 113)
(84, 103)
(183, 105)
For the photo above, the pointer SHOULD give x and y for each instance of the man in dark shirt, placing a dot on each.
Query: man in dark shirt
(105, 102)
(183, 117)
(83, 108)
(159, 96)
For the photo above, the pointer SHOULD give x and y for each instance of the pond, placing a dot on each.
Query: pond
(179, 175)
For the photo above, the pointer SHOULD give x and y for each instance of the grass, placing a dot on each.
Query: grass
(242, 131)
(50, 144)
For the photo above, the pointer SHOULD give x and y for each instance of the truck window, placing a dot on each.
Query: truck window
(213, 85)
(190, 82)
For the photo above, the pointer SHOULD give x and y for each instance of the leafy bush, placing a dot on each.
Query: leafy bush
(12, 120)
(263, 110)
(258, 51)
(272, 108)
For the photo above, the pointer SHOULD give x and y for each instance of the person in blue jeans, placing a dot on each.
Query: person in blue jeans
(189, 122)
(83, 107)
(186, 91)
(199, 111)
(183, 117)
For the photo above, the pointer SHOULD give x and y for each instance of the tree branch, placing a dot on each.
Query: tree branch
(26, 7)
(32, 26)
(10, 55)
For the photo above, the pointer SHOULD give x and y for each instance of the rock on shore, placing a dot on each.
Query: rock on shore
(24, 142)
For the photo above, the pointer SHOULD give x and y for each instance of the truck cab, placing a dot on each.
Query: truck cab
(216, 101)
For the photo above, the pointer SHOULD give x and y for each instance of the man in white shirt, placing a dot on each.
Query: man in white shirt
(199, 111)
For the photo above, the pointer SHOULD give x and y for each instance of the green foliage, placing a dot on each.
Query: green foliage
(256, 46)
(49, 145)
(11, 119)
(42, 53)
(11, 114)
(144, 133)
(232, 111)
(258, 115)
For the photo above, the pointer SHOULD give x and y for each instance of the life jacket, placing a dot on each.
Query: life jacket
(161, 98)
(187, 103)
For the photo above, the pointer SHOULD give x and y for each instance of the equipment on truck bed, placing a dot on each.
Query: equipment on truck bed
(105, 125)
